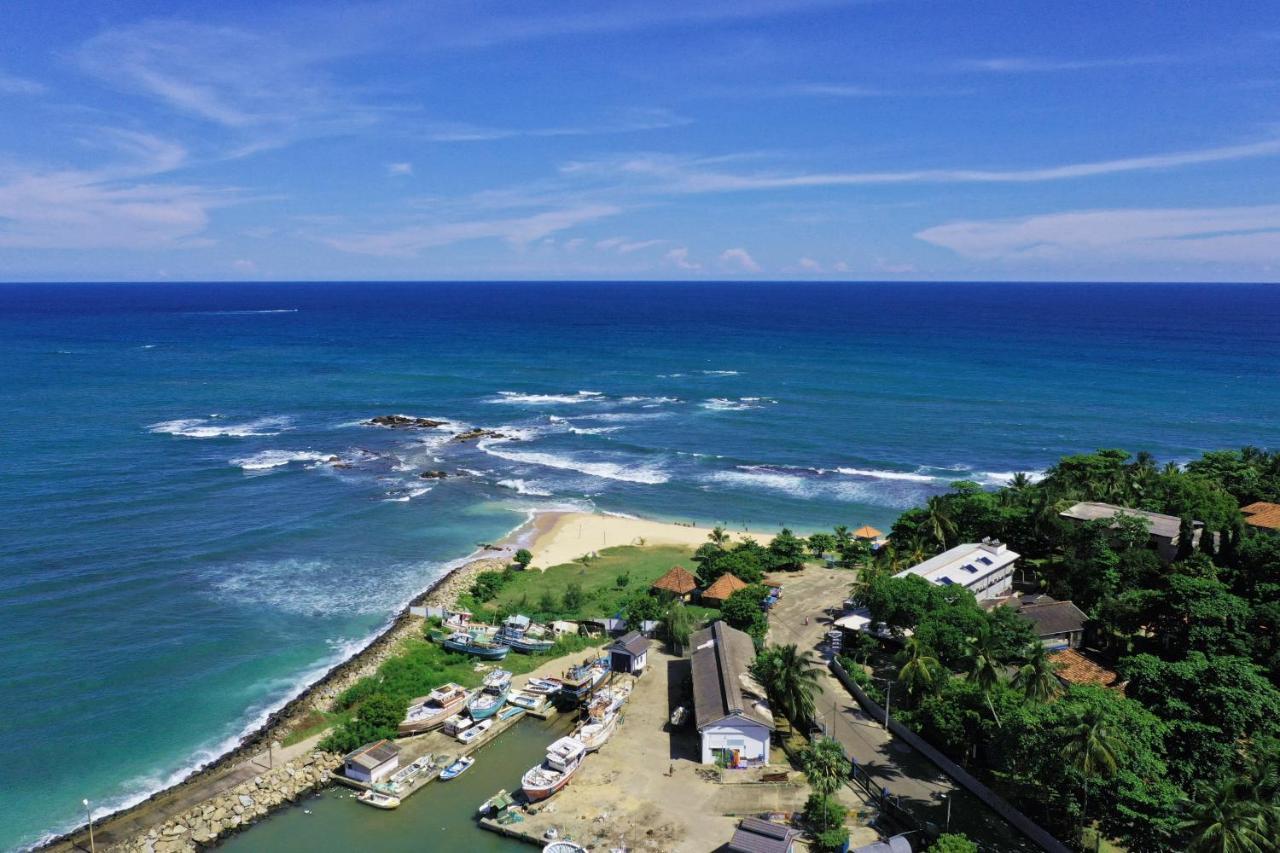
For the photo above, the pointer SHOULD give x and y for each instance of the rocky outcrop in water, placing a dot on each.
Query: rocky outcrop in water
(203, 824)
(404, 422)
(473, 434)
(433, 475)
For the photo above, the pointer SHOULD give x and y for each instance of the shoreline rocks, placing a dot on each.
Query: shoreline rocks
(404, 422)
(479, 432)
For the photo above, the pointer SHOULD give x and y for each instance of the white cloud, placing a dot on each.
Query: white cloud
(809, 265)
(11, 85)
(409, 241)
(739, 259)
(574, 244)
(1035, 65)
(679, 258)
(244, 265)
(1222, 235)
(895, 267)
(840, 266)
(399, 169)
(630, 121)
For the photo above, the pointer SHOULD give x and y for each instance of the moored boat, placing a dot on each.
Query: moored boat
(527, 701)
(457, 724)
(430, 711)
(457, 768)
(507, 713)
(377, 800)
(475, 731)
(594, 734)
(563, 759)
(486, 701)
(544, 686)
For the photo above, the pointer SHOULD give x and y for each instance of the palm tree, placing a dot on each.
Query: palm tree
(917, 549)
(1092, 748)
(826, 768)
(938, 520)
(1225, 819)
(921, 672)
(843, 538)
(790, 677)
(718, 536)
(984, 666)
(1036, 678)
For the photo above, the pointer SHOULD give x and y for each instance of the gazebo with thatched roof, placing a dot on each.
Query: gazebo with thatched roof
(677, 583)
(726, 585)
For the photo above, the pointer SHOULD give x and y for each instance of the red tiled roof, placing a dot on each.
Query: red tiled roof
(1262, 514)
(678, 580)
(726, 585)
(1077, 668)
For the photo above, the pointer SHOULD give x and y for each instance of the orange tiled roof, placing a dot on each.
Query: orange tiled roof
(1262, 514)
(866, 531)
(726, 585)
(677, 580)
(1076, 668)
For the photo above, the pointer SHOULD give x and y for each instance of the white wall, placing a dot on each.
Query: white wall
(379, 773)
(750, 739)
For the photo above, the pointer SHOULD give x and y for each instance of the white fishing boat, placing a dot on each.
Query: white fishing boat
(475, 731)
(609, 700)
(594, 735)
(527, 701)
(564, 757)
(378, 801)
(544, 686)
(457, 724)
(430, 711)
(457, 768)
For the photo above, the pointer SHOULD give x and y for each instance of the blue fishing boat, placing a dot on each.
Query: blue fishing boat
(457, 768)
(474, 646)
(486, 701)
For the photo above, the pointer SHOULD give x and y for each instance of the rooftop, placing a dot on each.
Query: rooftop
(754, 835)
(1262, 514)
(678, 580)
(722, 683)
(1165, 526)
(1076, 667)
(964, 565)
(373, 754)
(866, 531)
(633, 643)
(726, 585)
(1046, 613)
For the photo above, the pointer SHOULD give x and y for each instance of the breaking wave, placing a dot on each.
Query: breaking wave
(266, 459)
(516, 398)
(211, 427)
(633, 473)
(525, 487)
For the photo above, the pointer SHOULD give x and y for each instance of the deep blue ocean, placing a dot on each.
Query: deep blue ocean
(180, 556)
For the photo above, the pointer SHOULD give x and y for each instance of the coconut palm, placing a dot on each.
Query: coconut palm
(1036, 677)
(921, 672)
(917, 549)
(984, 667)
(938, 520)
(718, 536)
(1225, 819)
(790, 677)
(826, 768)
(1092, 748)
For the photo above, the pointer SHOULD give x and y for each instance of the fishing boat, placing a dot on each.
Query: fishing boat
(486, 701)
(594, 734)
(457, 724)
(467, 644)
(608, 701)
(507, 713)
(407, 774)
(527, 701)
(583, 678)
(564, 757)
(430, 711)
(475, 731)
(520, 634)
(563, 846)
(378, 801)
(457, 768)
(496, 804)
(544, 686)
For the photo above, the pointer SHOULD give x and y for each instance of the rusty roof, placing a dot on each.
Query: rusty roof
(726, 585)
(1081, 668)
(678, 580)
(1262, 514)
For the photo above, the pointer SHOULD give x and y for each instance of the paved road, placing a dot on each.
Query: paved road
(896, 767)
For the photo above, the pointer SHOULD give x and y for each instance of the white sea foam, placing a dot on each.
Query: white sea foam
(650, 401)
(593, 430)
(525, 487)
(247, 311)
(403, 496)
(878, 474)
(516, 398)
(719, 372)
(1003, 478)
(203, 428)
(724, 404)
(629, 473)
(266, 459)
(816, 483)
(623, 417)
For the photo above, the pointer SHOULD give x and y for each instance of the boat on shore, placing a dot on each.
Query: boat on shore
(430, 711)
(544, 779)
(583, 678)
(609, 701)
(527, 701)
(507, 713)
(378, 800)
(523, 636)
(473, 732)
(469, 644)
(457, 768)
(489, 699)
(594, 734)
(457, 724)
(544, 686)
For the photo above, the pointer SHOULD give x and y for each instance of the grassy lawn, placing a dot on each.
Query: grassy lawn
(605, 582)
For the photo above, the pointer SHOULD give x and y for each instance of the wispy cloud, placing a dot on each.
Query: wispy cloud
(809, 265)
(1043, 65)
(399, 169)
(693, 175)
(12, 85)
(679, 258)
(739, 259)
(118, 206)
(410, 240)
(631, 121)
(1224, 234)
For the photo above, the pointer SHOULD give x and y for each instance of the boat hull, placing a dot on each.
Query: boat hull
(480, 709)
(482, 652)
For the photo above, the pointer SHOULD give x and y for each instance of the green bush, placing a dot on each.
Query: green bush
(833, 839)
(953, 842)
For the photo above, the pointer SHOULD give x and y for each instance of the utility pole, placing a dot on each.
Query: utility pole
(888, 697)
(89, 814)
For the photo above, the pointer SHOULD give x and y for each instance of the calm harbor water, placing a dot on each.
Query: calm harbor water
(181, 555)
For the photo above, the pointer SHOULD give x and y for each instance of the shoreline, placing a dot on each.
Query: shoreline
(553, 536)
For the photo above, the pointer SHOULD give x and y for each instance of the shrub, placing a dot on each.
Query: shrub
(523, 558)
(953, 842)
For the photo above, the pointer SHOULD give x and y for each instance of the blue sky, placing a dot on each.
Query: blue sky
(648, 140)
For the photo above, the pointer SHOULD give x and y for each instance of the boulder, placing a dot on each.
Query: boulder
(433, 475)
(477, 433)
(404, 422)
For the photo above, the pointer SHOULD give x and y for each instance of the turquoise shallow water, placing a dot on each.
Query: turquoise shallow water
(179, 558)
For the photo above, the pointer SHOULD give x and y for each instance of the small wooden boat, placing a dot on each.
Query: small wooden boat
(582, 679)
(519, 633)
(467, 644)
(457, 768)
(563, 759)
(475, 731)
(507, 713)
(608, 701)
(430, 711)
(526, 701)
(378, 801)
(544, 686)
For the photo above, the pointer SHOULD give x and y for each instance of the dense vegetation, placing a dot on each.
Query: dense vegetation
(1187, 757)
